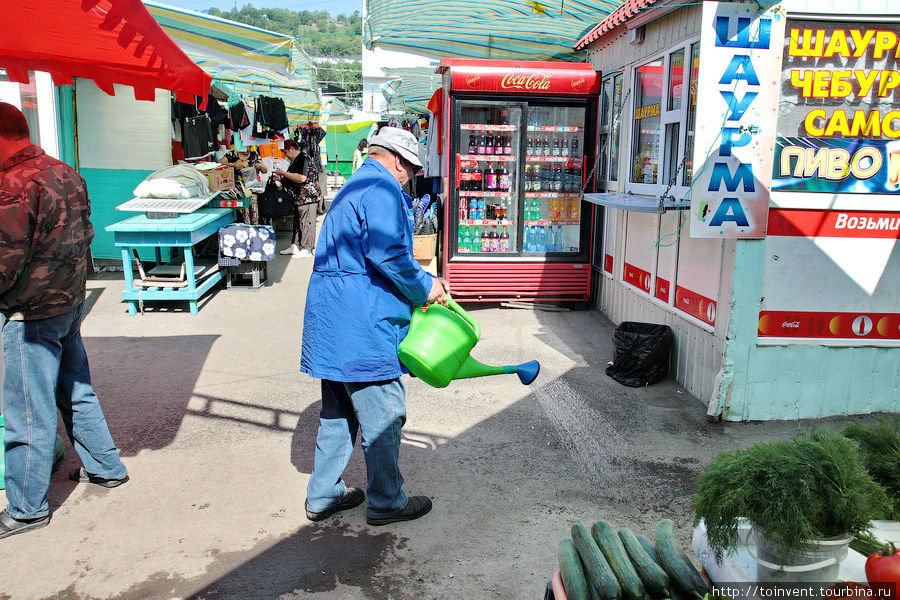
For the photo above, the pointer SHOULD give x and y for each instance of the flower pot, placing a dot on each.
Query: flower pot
(819, 561)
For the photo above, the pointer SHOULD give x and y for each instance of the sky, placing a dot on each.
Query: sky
(334, 7)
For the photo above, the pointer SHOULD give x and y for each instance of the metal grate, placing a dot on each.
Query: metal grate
(166, 205)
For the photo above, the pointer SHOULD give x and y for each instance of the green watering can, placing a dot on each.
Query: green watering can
(436, 349)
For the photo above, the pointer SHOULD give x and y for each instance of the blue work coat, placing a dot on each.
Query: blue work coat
(364, 282)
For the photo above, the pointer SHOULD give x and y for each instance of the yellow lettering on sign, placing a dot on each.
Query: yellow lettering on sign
(889, 80)
(837, 44)
(865, 79)
(821, 80)
(866, 162)
(830, 163)
(805, 46)
(861, 41)
(866, 126)
(809, 123)
(884, 41)
(838, 124)
(838, 164)
(803, 80)
(651, 110)
(840, 88)
(887, 125)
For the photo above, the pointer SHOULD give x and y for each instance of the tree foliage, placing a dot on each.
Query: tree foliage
(317, 32)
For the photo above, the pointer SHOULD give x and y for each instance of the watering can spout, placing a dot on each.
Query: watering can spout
(527, 372)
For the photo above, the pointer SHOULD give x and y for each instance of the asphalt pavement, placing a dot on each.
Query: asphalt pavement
(217, 428)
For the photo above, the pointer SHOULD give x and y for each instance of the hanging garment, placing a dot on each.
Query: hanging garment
(271, 115)
(198, 137)
(247, 136)
(217, 115)
(184, 110)
(238, 115)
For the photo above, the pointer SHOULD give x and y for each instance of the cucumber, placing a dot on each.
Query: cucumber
(670, 560)
(648, 546)
(600, 575)
(611, 546)
(699, 582)
(655, 580)
(572, 572)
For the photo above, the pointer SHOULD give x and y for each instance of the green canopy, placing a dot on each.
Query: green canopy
(505, 29)
(244, 60)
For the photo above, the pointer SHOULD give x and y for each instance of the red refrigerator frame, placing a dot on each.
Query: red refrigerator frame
(495, 278)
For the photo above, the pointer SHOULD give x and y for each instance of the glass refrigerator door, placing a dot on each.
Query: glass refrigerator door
(487, 174)
(554, 167)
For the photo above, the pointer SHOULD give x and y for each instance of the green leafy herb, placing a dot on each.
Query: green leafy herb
(812, 487)
(880, 449)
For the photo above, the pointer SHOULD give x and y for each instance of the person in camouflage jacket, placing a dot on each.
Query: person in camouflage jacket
(44, 240)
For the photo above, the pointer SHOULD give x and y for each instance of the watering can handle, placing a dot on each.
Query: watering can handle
(452, 305)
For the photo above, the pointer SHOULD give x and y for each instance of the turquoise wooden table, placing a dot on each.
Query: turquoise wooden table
(182, 232)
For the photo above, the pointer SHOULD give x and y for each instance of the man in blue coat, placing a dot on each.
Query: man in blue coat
(363, 288)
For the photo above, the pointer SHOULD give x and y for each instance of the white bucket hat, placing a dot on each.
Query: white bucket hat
(398, 141)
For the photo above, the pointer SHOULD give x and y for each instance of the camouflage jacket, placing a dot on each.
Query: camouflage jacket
(45, 232)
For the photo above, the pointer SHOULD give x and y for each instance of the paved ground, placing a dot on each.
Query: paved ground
(217, 429)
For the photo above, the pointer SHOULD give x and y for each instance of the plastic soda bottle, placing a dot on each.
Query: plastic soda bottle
(475, 240)
(461, 238)
(495, 240)
(485, 240)
(504, 240)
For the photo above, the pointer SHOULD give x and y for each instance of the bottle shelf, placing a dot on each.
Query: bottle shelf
(477, 194)
(489, 157)
(497, 222)
(572, 161)
(480, 127)
(549, 222)
(560, 195)
(554, 128)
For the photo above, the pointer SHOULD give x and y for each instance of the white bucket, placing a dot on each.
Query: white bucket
(819, 561)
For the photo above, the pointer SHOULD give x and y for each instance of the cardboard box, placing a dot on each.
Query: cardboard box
(220, 179)
(429, 265)
(424, 246)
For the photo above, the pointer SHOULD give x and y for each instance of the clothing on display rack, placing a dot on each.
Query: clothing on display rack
(270, 116)
(238, 114)
(217, 114)
(197, 137)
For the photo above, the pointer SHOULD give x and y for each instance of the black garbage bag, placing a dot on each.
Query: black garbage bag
(642, 353)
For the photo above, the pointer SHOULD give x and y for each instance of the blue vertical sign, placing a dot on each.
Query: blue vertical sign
(738, 85)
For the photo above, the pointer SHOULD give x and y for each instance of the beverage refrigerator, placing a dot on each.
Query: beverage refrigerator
(517, 140)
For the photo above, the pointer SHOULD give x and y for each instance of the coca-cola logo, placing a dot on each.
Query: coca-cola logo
(534, 81)
(578, 83)
(791, 324)
(472, 80)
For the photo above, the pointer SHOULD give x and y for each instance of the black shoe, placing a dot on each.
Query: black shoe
(11, 526)
(353, 497)
(415, 508)
(82, 476)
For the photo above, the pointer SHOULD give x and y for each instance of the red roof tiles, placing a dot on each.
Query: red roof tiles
(626, 11)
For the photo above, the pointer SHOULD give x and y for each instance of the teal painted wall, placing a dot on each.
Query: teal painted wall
(66, 116)
(799, 381)
(108, 188)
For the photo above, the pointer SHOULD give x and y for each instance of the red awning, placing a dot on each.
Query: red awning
(109, 41)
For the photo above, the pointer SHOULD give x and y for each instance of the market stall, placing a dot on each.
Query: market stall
(759, 221)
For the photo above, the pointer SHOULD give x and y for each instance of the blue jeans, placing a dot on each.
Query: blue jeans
(378, 411)
(45, 369)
